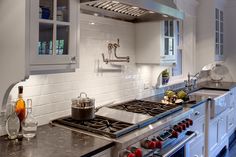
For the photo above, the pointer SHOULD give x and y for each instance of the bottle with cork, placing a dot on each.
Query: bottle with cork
(20, 106)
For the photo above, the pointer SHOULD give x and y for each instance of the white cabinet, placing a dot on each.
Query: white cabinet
(197, 148)
(217, 134)
(210, 32)
(148, 42)
(53, 35)
(231, 123)
(197, 145)
(222, 127)
(213, 129)
(157, 42)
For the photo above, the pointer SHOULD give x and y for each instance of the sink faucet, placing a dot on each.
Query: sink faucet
(191, 82)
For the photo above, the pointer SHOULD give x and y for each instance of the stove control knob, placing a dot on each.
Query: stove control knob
(136, 151)
(126, 153)
(177, 128)
(174, 134)
(159, 144)
(186, 123)
(131, 155)
(147, 144)
(190, 121)
(183, 126)
(151, 145)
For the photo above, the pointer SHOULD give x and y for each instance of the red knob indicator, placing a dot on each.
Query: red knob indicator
(178, 128)
(131, 155)
(190, 121)
(174, 134)
(159, 144)
(183, 126)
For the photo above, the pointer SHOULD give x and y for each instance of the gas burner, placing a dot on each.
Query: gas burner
(99, 125)
(147, 107)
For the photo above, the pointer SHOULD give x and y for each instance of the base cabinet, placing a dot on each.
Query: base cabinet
(217, 134)
(197, 147)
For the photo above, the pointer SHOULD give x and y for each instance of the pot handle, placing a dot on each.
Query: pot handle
(83, 93)
(104, 105)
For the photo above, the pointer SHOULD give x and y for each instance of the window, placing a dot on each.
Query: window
(219, 32)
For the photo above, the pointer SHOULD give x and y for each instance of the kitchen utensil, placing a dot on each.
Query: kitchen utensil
(83, 108)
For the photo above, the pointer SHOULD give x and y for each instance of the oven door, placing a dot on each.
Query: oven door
(177, 148)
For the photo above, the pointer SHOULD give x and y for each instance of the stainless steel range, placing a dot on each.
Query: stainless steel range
(139, 128)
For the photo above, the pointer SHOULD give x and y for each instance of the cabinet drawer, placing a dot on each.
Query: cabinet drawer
(198, 112)
(199, 126)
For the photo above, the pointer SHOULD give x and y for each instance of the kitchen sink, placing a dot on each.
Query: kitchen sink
(219, 100)
(209, 92)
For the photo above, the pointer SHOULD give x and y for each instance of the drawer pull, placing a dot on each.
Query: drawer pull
(230, 124)
(196, 156)
(197, 113)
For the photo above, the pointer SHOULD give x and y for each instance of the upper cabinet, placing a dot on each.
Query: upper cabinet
(219, 34)
(53, 36)
(210, 32)
(157, 42)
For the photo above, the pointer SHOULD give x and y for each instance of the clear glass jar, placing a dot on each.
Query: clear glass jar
(29, 124)
(13, 123)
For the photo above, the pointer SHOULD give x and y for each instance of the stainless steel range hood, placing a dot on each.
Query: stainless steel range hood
(132, 10)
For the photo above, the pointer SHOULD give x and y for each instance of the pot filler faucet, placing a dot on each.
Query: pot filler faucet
(190, 84)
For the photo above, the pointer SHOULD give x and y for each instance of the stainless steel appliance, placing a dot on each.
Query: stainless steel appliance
(132, 10)
(139, 128)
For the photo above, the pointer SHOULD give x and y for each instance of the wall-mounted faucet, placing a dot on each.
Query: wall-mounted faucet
(190, 84)
(114, 46)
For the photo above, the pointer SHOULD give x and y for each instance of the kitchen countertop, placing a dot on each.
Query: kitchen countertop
(54, 142)
(199, 100)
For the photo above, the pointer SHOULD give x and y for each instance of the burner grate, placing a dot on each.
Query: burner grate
(99, 125)
(154, 109)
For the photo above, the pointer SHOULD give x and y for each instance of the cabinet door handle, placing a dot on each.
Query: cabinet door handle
(197, 113)
(230, 124)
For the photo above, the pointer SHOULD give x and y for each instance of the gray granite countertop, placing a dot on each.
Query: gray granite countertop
(54, 142)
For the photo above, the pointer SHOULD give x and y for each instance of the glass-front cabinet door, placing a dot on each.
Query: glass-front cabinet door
(53, 32)
(169, 44)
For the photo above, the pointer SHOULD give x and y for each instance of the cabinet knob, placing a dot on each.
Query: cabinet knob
(197, 113)
(73, 60)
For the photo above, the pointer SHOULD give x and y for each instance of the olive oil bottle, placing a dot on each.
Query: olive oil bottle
(20, 105)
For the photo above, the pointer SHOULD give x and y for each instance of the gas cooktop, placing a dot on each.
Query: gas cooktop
(153, 109)
(99, 125)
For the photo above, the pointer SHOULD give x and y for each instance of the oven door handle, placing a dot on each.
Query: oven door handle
(171, 150)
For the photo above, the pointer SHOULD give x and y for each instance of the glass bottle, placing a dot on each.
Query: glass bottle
(20, 104)
(13, 123)
(29, 124)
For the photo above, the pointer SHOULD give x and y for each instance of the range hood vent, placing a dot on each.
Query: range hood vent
(132, 10)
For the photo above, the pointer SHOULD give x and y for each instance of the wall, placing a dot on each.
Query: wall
(230, 34)
(13, 44)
